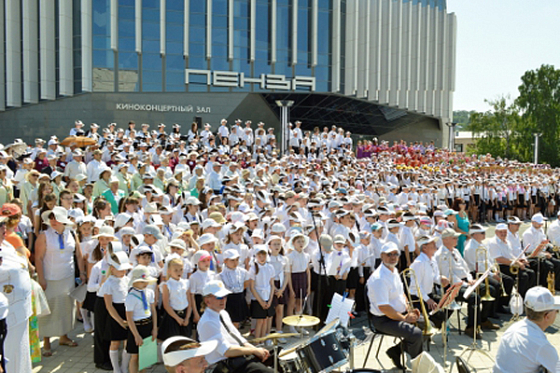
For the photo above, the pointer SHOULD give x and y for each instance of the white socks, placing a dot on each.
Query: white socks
(88, 324)
(124, 362)
(114, 356)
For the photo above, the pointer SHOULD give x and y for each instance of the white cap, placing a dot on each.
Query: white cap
(210, 223)
(426, 240)
(540, 299)
(449, 232)
(121, 262)
(215, 288)
(499, 227)
(231, 254)
(538, 218)
(389, 247)
(189, 349)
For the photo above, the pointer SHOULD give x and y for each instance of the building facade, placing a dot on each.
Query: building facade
(373, 66)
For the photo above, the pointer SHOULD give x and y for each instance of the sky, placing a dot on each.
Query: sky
(497, 42)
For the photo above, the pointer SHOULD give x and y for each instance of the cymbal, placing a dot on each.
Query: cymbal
(273, 336)
(301, 320)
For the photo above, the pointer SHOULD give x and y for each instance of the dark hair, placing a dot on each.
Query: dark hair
(97, 255)
(458, 201)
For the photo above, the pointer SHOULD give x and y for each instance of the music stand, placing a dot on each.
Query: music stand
(448, 298)
(474, 347)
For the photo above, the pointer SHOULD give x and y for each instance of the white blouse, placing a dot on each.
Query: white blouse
(116, 287)
(58, 262)
(178, 299)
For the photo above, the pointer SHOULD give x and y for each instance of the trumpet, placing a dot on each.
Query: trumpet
(427, 331)
(454, 306)
(481, 249)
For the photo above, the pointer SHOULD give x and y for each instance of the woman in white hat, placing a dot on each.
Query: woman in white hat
(54, 260)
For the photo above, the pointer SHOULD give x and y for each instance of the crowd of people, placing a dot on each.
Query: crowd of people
(197, 235)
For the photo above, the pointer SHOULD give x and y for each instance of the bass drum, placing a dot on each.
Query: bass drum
(323, 353)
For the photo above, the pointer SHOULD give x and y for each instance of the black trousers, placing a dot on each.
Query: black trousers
(323, 296)
(473, 300)
(100, 343)
(411, 335)
(3, 334)
(547, 266)
(246, 364)
(527, 278)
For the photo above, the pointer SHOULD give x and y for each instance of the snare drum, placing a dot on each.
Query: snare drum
(323, 353)
(291, 363)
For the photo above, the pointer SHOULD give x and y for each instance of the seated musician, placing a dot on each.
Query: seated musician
(524, 347)
(503, 252)
(450, 261)
(184, 355)
(427, 273)
(233, 354)
(389, 306)
(479, 258)
(540, 260)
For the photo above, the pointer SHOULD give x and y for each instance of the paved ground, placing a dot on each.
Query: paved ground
(80, 359)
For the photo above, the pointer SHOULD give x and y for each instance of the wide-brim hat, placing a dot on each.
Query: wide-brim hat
(188, 350)
(60, 215)
(106, 231)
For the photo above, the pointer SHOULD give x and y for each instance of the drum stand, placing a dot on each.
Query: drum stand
(275, 349)
(474, 347)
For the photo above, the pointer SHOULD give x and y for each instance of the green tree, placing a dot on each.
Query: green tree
(463, 119)
(539, 101)
(497, 130)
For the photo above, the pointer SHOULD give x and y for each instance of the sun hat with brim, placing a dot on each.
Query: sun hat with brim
(215, 288)
(122, 219)
(295, 234)
(185, 349)
(153, 230)
(260, 249)
(141, 273)
(389, 247)
(107, 232)
(127, 230)
(178, 243)
(201, 255)
(515, 219)
(538, 218)
(449, 232)
(10, 209)
(339, 239)
(206, 238)
(217, 217)
(60, 215)
(210, 223)
(423, 240)
(501, 227)
(231, 254)
(275, 237)
(119, 260)
(540, 299)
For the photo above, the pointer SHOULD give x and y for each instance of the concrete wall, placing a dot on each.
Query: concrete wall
(57, 117)
(426, 131)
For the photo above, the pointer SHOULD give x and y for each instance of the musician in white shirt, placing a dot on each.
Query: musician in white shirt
(427, 273)
(524, 347)
(391, 312)
(536, 241)
(215, 324)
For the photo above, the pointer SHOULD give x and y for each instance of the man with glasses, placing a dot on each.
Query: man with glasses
(392, 314)
(524, 347)
(233, 353)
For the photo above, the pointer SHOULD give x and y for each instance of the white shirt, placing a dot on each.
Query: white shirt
(385, 287)
(58, 262)
(210, 328)
(134, 304)
(262, 280)
(299, 261)
(554, 233)
(234, 279)
(459, 270)
(116, 287)
(515, 243)
(500, 249)
(427, 273)
(199, 279)
(339, 264)
(533, 237)
(407, 239)
(523, 348)
(484, 261)
(178, 299)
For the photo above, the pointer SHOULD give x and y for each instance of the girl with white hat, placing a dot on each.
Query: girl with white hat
(235, 279)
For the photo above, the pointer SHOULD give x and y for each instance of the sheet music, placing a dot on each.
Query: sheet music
(341, 309)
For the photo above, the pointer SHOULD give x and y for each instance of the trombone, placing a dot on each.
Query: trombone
(482, 249)
(427, 331)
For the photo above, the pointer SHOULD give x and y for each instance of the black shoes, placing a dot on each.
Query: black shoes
(394, 354)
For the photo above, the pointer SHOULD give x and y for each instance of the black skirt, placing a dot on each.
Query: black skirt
(100, 341)
(285, 295)
(352, 279)
(299, 284)
(89, 302)
(257, 312)
(115, 331)
(237, 308)
(144, 331)
(169, 326)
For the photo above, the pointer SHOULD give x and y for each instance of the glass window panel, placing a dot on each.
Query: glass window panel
(323, 59)
(150, 30)
(261, 54)
(219, 64)
(127, 44)
(174, 32)
(241, 38)
(195, 79)
(151, 76)
(103, 58)
(175, 88)
(126, 28)
(219, 89)
(150, 46)
(303, 57)
(283, 32)
(282, 55)
(219, 35)
(197, 50)
(219, 22)
(197, 35)
(128, 60)
(175, 17)
(325, 4)
(303, 29)
(150, 4)
(175, 77)
(126, 2)
(100, 42)
(151, 61)
(197, 63)
(261, 67)
(219, 7)
(283, 69)
(240, 53)
(219, 51)
(241, 8)
(126, 12)
(175, 62)
(324, 39)
(322, 86)
(198, 88)
(197, 6)
(176, 5)
(241, 23)
(149, 87)
(174, 48)
(241, 65)
(198, 20)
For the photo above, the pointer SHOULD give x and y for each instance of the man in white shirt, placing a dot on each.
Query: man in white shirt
(427, 273)
(184, 355)
(233, 353)
(501, 251)
(389, 306)
(95, 166)
(76, 166)
(524, 347)
(540, 260)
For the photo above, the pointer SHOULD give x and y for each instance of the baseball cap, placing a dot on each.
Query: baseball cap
(389, 247)
(499, 227)
(448, 232)
(153, 230)
(177, 349)
(423, 240)
(215, 288)
(339, 239)
(231, 254)
(540, 299)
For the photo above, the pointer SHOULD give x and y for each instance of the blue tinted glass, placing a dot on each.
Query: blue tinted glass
(150, 3)
(175, 17)
(219, 89)
(151, 87)
(103, 58)
(151, 61)
(127, 44)
(303, 69)
(175, 62)
(323, 59)
(261, 67)
(282, 69)
(100, 42)
(322, 86)
(150, 46)
(128, 60)
(175, 88)
(151, 77)
(150, 30)
(126, 28)
(175, 78)
(174, 32)
(176, 5)
(283, 32)
(174, 48)
(241, 38)
(219, 64)
(322, 73)
(197, 35)
(126, 13)
(262, 54)
(198, 20)
(197, 6)
(219, 36)
(197, 50)
(198, 88)
(219, 21)
(241, 23)
(126, 2)
(219, 7)
(219, 50)
(150, 15)
(325, 4)
(240, 53)
(241, 8)
(197, 63)
(303, 34)
(324, 20)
